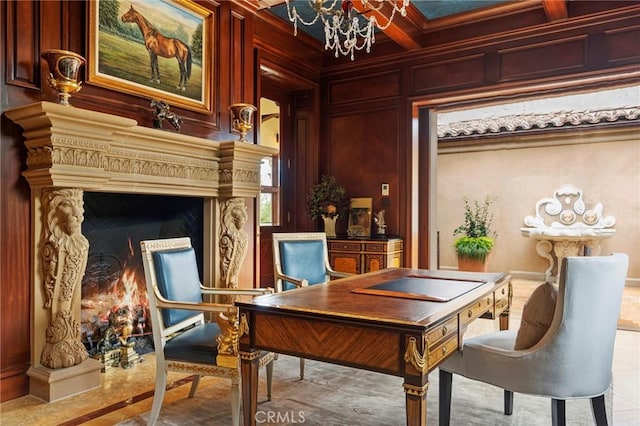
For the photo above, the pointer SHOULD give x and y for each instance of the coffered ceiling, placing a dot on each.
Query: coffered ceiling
(424, 16)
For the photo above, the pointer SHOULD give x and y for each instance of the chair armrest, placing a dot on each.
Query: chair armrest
(236, 291)
(207, 307)
(295, 281)
(336, 274)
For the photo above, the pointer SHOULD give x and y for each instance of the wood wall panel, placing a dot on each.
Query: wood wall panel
(15, 288)
(623, 45)
(364, 151)
(385, 85)
(549, 58)
(236, 60)
(440, 75)
(22, 44)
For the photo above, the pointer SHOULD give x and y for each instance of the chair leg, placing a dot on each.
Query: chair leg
(599, 410)
(235, 401)
(444, 405)
(558, 417)
(508, 402)
(301, 368)
(158, 395)
(269, 379)
(194, 385)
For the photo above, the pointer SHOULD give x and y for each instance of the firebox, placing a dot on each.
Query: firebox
(114, 307)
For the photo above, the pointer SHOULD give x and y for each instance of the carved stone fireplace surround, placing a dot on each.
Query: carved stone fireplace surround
(72, 150)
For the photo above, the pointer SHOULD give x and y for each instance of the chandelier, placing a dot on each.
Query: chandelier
(345, 28)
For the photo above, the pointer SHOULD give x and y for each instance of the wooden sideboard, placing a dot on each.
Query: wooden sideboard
(360, 255)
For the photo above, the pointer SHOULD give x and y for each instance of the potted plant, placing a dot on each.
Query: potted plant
(476, 241)
(327, 200)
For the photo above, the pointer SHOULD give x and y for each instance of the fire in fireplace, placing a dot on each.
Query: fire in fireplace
(114, 308)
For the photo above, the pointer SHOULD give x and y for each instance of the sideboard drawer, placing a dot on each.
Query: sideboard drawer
(344, 246)
(377, 247)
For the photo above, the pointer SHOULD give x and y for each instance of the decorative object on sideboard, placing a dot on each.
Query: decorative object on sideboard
(475, 244)
(327, 201)
(242, 119)
(381, 225)
(64, 67)
(344, 33)
(360, 217)
(162, 111)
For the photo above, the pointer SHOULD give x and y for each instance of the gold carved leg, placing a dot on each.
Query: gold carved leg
(416, 404)
(416, 380)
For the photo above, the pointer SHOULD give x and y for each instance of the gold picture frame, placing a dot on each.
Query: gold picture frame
(360, 217)
(158, 50)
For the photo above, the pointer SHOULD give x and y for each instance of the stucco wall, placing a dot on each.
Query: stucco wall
(518, 171)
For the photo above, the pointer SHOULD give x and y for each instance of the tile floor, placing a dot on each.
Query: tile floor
(126, 393)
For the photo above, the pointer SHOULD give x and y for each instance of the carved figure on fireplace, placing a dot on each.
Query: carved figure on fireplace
(63, 251)
(233, 240)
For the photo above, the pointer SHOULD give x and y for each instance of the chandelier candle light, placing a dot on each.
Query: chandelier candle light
(342, 26)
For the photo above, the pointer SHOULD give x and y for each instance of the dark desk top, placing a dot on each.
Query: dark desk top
(338, 300)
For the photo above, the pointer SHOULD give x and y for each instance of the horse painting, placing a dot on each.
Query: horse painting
(158, 44)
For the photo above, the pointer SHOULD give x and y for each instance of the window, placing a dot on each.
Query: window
(270, 166)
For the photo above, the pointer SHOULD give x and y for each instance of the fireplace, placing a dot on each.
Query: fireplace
(114, 303)
(74, 155)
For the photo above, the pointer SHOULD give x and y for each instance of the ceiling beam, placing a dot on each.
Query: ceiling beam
(396, 31)
(556, 10)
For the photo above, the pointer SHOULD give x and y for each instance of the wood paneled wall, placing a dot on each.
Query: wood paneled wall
(370, 104)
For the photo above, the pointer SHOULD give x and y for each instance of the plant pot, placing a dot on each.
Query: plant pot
(473, 265)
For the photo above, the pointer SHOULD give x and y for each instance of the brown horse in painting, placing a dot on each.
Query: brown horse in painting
(158, 44)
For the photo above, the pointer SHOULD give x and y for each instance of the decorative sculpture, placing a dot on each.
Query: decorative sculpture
(64, 253)
(378, 218)
(233, 240)
(161, 112)
(564, 226)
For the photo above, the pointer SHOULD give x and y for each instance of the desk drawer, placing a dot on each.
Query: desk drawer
(442, 331)
(439, 351)
(474, 311)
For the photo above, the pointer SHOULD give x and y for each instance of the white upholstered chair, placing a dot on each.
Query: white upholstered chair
(574, 357)
(184, 341)
(301, 259)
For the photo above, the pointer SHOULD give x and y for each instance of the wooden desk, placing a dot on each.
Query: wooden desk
(398, 336)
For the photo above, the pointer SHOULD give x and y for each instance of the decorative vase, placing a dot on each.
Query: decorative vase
(64, 67)
(242, 119)
(330, 225)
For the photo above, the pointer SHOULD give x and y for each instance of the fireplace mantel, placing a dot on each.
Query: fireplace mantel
(77, 148)
(71, 150)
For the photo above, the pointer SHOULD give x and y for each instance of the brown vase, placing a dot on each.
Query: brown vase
(473, 265)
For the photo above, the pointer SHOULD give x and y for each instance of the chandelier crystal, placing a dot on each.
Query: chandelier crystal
(347, 29)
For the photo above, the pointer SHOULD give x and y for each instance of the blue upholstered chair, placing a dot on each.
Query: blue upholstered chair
(301, 259)
(573, 359)
(184, 341)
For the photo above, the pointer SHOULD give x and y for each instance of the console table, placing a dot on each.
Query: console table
(360, 255)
